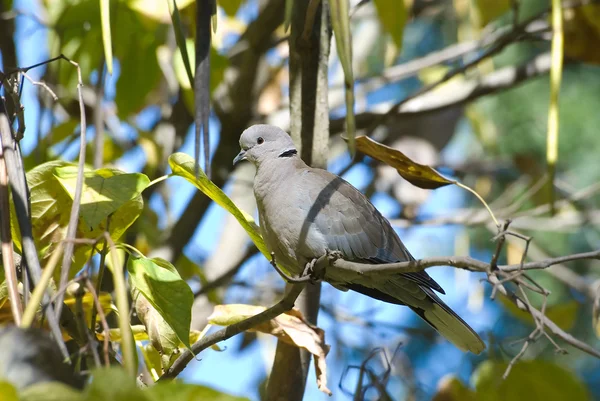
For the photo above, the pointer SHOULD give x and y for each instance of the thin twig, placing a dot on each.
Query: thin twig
(98, 307)
(41, 84)
(18, 185)
(553, 327)
(10, 270)
(101, 270)
(74, 217)
(499, 245)
(99, 118)
(80, 316)
(282, 306)
(122, 302)
(463, 262)
(286, 277)
(40, 288)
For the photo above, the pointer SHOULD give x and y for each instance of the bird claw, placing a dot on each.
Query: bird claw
(333, 256)
(315, 269)
(315, 276)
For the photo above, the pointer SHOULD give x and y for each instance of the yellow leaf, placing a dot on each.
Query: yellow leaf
(392, 14)
(417, 174)
(51, 206)
(340, 22)
(8, 392)
(488, 10)
(450, 388)
(536, 380)
(563, 314)
(157, 9)
(104, 190)
(290, 327)
(183, 166)
(164, 302)
(582, 33)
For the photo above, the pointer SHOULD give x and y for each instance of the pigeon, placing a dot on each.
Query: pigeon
(306, 213)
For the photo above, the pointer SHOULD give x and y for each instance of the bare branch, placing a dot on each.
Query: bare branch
(282, 306)
(74, 217)
(553, 327)
(18, 185)
(462, 262)
(10, 269)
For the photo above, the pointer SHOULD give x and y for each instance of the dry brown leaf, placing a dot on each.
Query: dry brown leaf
(582, 33)
(290, 327)
(417, 174)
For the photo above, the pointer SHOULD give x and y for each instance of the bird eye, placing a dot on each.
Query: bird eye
(259, 140)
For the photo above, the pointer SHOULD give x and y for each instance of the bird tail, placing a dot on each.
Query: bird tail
(445, 321)
(426, 304)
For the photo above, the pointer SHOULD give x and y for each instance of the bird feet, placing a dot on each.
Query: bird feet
(302, 279)
(314, 271)
(314, 274)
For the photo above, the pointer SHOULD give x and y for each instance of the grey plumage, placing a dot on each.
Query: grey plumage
(305, 212)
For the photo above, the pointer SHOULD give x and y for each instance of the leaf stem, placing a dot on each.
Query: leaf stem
(463, 186)
(157, 180)
(40, 288)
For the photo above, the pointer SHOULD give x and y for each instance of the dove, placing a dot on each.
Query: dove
(306, 213)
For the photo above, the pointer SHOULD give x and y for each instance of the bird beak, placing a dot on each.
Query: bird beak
(241, 156)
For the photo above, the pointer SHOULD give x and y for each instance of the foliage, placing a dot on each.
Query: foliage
(137, 61)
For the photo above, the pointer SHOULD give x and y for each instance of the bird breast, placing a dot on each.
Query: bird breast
(285, 226)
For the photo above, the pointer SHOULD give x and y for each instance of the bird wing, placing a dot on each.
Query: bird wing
(352, 225)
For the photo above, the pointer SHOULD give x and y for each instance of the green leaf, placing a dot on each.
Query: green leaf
(563, 314)
(230, 6)
(51, 207)
(3, 298)
(106, 36)
(136, 49)
(486, 11)
(8, 392)
(50, 391)
(182, 391)
(104, 191)
(287, 19)
(157, 9)
(528, 381)
(162, 286)
(188, 269)
(61, 132)
(392, 14)
(80, 28)
(140, 75)
(340, 21)
(180, 39)
(113, 384)
(3, 288)
(183, 166)
(218, 65)
(161, 335)
(417, 174)
(450, 388)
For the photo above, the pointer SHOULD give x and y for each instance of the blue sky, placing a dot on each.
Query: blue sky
(239, 372)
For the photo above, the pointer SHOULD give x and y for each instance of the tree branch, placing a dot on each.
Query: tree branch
(309, 43)
(467, 91)
(354, 269)
(282, 306)
(18, 186)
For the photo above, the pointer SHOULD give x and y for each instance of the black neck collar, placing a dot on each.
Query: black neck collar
(289, 153)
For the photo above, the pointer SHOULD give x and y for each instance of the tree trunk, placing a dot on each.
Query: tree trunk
(309, 115)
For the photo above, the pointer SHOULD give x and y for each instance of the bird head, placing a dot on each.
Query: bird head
(264, 142)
